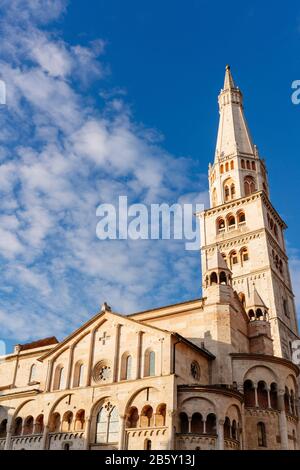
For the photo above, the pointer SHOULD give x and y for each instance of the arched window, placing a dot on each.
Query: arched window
(248, 165)
(32, 373)
(39, 425)
(262, 395)
(184, 423)
(232, 165)
(197, 424)
(78, 374)
(28, 425)
(222, 169)
(3, 428)
(147, 418)
(147, 444)
(54, 425)
(211, 424)
(233, 258)
(67, 421)
(232, 191)
(160, 415)
(227, 428)
(221, 225)
(149, 368)
(107, 426)
(249, 394)
(128, 367)
(227, 166)
(261, 435)
(287, 400)
(251, 314)
(213, 278)
(66, 446)
(244, 255)
(80, 420)
(227, 193)
(243, 164)
(133, 417)
(253, 166)
(231, 222)
(59, 378)
(259, 313)
(234, 434)
(223, 278)
(273, 396)
(18, 427)
(241, 218)
(249, 185)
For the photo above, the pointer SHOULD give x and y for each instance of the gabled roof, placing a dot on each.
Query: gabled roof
(37, 344)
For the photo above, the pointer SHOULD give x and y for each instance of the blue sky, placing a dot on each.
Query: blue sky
(121, 98)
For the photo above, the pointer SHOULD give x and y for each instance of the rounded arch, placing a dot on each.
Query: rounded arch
(197, 425)
(213, 278)
(126, 366)
(221, 226)
(147, 417)
(266, 373)
(132, 417)
(231, 221)
(78, 374)
(249, 185)
(160, 415)
(80, 420)
(67, 421)
(183, 423)
(223, 278)
(39, 424)
(241, 217)
(28, 425)
(134, 396)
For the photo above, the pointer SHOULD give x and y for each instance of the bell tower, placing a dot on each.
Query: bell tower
(243, 225)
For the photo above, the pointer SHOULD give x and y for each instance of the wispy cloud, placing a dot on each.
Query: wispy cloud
(59, 158)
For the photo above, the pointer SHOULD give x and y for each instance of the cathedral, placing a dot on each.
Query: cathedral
(205, 374)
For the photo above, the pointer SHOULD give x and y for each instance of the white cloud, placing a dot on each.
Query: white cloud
(61, 158)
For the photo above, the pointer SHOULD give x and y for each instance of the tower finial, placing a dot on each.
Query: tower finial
(228, 82)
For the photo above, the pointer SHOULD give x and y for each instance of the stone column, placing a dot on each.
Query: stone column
(190, 425)
(220, 444)
(87, 433)
(204, 426)
(70, 367)
(139, 355)
(90, 358)
(44, 441)
(49, 376)
(269, 399)
(171, 430)
(7, 445)
(122, 444)
(256, 396)
(116, 353)
(282, 421)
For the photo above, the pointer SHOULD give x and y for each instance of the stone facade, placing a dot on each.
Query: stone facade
(211, 373)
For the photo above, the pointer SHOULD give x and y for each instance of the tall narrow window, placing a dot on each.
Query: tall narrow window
(243, 164)
(232, 165)
(286, 308)
(261, 435)
(32, 374)
(128, 367)
(152, 363)
(249, 185)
